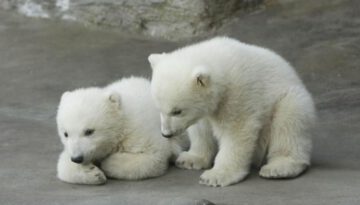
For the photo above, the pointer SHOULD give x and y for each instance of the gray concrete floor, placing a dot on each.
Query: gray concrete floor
(41, 59)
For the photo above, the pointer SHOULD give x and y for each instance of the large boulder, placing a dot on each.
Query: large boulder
(171, 19)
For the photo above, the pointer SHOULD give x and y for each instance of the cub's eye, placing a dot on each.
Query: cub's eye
(66, 134)
(89, 132)
(176, 112)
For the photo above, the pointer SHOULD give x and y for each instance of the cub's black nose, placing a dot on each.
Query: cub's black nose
(78, 159)
(167, 135)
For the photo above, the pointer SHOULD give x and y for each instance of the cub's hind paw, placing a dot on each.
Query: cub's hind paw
(188, 160)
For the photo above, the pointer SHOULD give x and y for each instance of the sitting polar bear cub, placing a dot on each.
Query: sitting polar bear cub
(256, 105)
(117, 126)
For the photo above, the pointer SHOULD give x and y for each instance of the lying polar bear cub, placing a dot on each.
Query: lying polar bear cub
(256, 105)
(117, 126)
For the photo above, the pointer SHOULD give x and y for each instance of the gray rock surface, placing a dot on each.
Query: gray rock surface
(41, 59)
(171, 19)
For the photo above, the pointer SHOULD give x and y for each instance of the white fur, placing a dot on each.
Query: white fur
(257, 106)
(126, 139)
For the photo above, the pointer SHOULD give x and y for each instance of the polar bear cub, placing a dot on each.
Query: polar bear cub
(117, 126)
(256, 105)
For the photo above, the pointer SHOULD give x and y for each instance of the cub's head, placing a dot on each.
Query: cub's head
(181, 90)
(89, 122)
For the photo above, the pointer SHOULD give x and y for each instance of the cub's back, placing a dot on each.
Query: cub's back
(137, 103)
(237, 61)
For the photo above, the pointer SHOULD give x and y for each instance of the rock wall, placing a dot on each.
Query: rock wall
(171, 19)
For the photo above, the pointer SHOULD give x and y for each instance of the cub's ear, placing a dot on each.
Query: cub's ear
(155, 58)
(65, 94)
(114, 98)
(201, 76)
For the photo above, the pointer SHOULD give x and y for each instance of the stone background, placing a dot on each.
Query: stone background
(170, 19)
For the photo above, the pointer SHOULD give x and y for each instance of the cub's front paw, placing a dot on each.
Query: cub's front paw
(220, 178)
(82, 174)
(188, 160)
(282, 168)
(95, 176)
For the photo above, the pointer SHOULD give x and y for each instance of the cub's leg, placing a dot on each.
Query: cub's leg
(289, 137)
(202, 147)
(71, 172)
(233, 160)
(134, 166)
